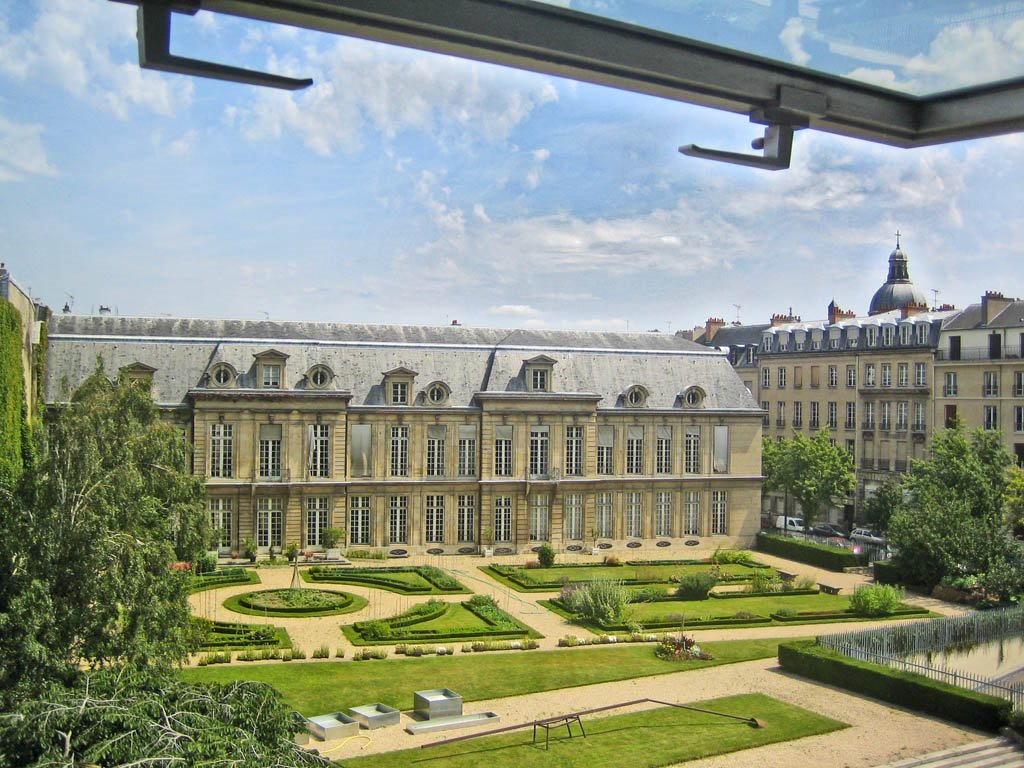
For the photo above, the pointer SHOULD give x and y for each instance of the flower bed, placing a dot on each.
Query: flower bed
(405, 580)
(634, 573)
(437, 621)
(232, 636)
(293, 603)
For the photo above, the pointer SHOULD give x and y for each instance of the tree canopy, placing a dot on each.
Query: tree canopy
(813, 470)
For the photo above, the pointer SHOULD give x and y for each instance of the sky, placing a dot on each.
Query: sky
(408, 187)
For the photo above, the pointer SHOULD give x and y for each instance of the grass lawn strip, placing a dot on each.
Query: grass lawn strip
(330, 686)
(237, 604)
(649, 739)
(231, 576)
(458, 622)
(402, 580)
(637, 574)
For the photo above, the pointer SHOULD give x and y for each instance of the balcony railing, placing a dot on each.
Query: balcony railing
(980, 353)
(949, 392)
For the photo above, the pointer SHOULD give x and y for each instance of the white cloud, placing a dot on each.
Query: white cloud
(361, 87)
(80, 47)
(790, 37)
(481, 213)
(539, 157)
(22, 152)
(516, 310)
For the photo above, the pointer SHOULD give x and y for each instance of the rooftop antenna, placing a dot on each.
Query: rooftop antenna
(935, 298)
(738, 308)
(265, 314)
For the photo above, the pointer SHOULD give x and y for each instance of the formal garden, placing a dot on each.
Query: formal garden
(403, 580)
(295, 603)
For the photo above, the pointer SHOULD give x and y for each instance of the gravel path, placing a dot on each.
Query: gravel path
(877, 734)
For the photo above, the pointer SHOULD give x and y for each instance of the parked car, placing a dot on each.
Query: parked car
(867, 536)
(789, 523)
(829, 530)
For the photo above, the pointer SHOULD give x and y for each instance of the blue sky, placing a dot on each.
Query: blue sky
(416, 188)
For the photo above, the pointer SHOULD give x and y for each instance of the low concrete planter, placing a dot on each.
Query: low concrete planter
(334, 726)
(438, 702)
(451, 723)
(371, 716)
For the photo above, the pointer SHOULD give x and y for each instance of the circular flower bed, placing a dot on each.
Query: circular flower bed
(295, 602)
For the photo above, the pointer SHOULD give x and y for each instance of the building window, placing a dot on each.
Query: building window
(782, 378)
(503, 451)
(574, 450)
(360, 436)
(833, 376)
(399, 393)
(317, 519)
(574, 516)
(398, 519)
(872, 335)
(319, 377)
(1018, 419)
(319, 437)
(1018, 383)
(766, 417)
(886, 416)
(434, 533)
(798, 414)
(663, 513)
(869, 415)
(400, 451)
(991, 417)
(466, 522)
(949, 416)
(503, 518)
(221, 450)
(719, 513)
(359, 520)
(221, 521)
(268, 522)
(691, 448)
(436, 451)
(437, 393)
(990, 384)
(886, 374)
(539, 379)
(540, 518)
(901, 416)
(605, 450)
(634, 515)
(921, 333)
(223, 375)
(663, 450)
(815, 376)
(636, 396)
(634, 450)
(869, 375)
(949, 389)
(605, 520)
(721, 463)
(887, 335)
(271, 375)
(766, 378)
(833, 416)
(467, 450)
(780, 414)
(539, 455)
(693, 397)
(851, 416)
(691, 513)
(904, 334)
(851, 376)
(902, 375)
(270, 451)
(919, 417)
(920, 375)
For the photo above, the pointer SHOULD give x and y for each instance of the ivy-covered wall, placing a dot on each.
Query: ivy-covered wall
(13, 428)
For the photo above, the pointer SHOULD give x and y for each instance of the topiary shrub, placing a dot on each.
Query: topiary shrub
(695, 586)
(876, 600)
(546, 555)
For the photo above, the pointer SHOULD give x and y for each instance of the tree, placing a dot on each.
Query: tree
(813, 470)
(952, 524)
(1015, 500)
(880, 505)
(88, 540)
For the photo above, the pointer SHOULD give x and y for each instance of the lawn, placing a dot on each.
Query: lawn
(663, 736)
(404, 580)
(630, 573)
(317, 687)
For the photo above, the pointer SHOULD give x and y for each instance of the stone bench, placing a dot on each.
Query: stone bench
(829, 589)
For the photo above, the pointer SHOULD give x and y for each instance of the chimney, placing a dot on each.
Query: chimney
(104, 310)
(711, 327)
(992, 303)
(781, 319)
(946, 308)
(835, 313)
(912, 308)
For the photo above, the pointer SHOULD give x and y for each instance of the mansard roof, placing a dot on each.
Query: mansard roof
(467, 360)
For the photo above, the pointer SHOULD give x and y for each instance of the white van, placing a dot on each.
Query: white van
(790, 523)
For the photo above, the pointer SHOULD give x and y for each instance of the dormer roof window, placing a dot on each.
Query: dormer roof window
(270, 369)
(139, 372)
(635, 397)
(223, 375)
(319, 376)
(539, 372)
(398, 384)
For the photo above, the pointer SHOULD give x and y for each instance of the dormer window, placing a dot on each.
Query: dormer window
(139, 372)
(223, 375)
(437, 393)
(398, 385)
(539, 371)
(693, 397)
(320, 376)
(636, 396)
(270, 369)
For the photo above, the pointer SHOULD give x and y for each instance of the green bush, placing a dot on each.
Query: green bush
(820, 555)
(375, 630)
(695, 586)
(876, 600)
(648, 595)
(905, 689)
(546, 555)
(601, 601)
(732, 557)
(1016, 721)
(764, 581)
(885, 572)
(322, 652)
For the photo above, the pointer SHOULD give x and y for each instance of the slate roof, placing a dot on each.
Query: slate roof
(973, 317)
(468, 360)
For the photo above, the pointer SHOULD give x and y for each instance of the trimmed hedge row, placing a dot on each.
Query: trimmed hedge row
(885, 572)
(905, 689)
(820, 555)
(246, 602)
(780, 593)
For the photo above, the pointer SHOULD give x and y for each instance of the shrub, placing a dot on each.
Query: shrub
(205, 563)
(375, 630)
(611, 560)
(680, 648)
(786, 613)
(648, 595)
(1016, 721)
(885, 572)
(764, 581)
(601, 601)
(732, 557)
(829, 558)
(805, 582)
(340, 653)
(298, 653)
(876, 600)
(546, 555)
(695, 586)
(322, 652)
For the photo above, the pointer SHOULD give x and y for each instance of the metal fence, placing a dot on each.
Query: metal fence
(891, 645)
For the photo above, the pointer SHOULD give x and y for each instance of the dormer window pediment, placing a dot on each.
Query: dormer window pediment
(539, 373)
(398, 385)
(138, 371)
(270, 369)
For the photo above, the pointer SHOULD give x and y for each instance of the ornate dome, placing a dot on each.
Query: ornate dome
(897, 291)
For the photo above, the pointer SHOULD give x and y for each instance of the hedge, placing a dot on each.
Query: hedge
(885, 572)
(819, 555)
(905, 689)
